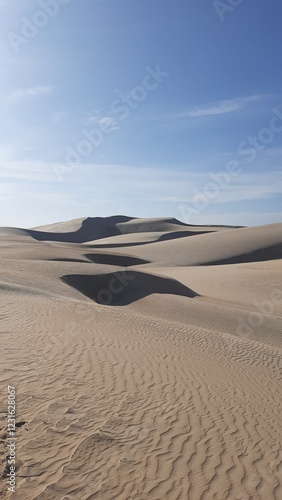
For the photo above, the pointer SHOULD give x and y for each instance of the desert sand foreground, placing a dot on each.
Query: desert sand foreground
(146, 358)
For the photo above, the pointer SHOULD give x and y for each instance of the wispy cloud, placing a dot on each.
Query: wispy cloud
(31, 91)
(104, 120)
(26, 171)
(154, 183)
(221, 107)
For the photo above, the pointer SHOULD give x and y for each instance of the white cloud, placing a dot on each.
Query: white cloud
(220, 107)
(26, 171)
(109, 121)
(154, 183)
(31, 91)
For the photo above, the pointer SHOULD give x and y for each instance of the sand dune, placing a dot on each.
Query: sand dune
(131, 239)
(95, 228)
(223, 247)
(146, 356)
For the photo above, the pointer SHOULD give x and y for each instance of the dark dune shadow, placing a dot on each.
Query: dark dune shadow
(66, 259)
(115, 260)
(117, 245)
(125, 287)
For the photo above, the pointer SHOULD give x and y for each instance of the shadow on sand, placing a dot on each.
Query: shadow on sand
(125, 287)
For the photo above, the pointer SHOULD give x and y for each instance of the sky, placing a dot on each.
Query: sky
(152, 108)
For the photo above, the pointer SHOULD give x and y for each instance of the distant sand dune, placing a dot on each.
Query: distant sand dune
(132, 239)
(95, 228)
(83, 230)
(222, 247)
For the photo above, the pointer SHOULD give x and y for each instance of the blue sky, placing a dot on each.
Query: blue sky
(145, 108)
